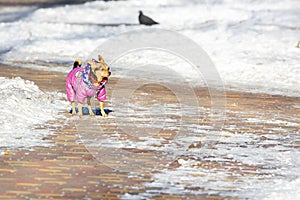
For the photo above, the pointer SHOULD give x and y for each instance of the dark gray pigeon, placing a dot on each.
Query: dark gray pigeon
(143, 19)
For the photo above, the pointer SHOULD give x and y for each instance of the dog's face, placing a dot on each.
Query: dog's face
(99, 70)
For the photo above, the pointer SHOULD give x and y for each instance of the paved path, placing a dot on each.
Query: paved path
(68, 170)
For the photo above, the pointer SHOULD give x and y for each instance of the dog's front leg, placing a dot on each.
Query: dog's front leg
(79, 109)
(89, 106)
(73, 108)
(102, 109)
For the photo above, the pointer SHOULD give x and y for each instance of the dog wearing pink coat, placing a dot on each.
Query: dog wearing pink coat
(87, 82)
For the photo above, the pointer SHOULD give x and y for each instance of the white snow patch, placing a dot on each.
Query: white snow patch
(25, 108)
(252, 43)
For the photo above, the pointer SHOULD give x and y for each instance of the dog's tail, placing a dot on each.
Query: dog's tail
(77, 63)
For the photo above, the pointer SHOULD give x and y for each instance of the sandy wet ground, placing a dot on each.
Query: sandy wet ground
(156, 153)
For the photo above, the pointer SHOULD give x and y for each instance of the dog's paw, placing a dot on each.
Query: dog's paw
(80, 114)
(103, 114)
(92, 114)
(73, 113)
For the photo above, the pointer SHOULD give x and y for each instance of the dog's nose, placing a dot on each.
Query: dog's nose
(109, 73)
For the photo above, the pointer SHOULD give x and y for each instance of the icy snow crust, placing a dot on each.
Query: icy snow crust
(227, 163)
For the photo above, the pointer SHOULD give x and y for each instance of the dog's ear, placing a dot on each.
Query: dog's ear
(100, 58)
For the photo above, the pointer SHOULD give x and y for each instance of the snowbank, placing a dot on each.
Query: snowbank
(24, 107)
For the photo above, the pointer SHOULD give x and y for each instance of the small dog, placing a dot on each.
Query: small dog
(87, 82)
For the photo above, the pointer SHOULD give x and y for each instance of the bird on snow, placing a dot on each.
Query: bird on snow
(143, 19)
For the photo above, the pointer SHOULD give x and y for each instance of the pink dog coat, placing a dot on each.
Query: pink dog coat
(78, 89)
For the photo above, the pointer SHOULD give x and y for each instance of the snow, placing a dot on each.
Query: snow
(24, 111)
(251, 43)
